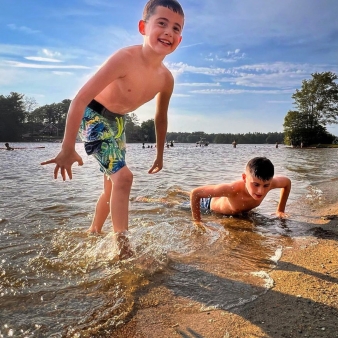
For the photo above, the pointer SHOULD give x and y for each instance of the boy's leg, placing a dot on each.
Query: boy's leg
(119, 201)
(102, 208)
(119, 209)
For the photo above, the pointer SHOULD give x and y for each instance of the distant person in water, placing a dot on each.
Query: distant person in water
(242, 195)
(8, 147)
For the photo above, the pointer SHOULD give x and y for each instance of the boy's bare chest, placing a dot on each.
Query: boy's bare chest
(237, 204)
(129, 93)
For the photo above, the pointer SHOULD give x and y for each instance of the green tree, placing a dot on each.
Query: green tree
(133, 129)
(148, 131)
(317, 106)
(49, 119)
(12, 116)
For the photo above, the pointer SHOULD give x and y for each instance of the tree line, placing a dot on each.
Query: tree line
(23, 120)
(316, 103)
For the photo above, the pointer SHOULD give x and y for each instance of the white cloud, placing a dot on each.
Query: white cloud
(42, 59)
(180, 67)
(180, 95)
(62, 73)
(33, 65)
(192, 45)
(240, 91)
(198, 84)
(24, 29)
(50, 54)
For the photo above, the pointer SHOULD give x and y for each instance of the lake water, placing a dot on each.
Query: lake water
(56, 281)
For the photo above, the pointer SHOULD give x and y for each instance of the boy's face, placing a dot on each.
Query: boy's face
(162, 32)
(256, 188)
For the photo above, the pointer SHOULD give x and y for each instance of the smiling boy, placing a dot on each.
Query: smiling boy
(129, 78)
(242, 195)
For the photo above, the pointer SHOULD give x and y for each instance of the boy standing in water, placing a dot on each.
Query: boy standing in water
(129, 78)
(242, 195)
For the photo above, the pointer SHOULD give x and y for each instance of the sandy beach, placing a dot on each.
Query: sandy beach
(302, 303)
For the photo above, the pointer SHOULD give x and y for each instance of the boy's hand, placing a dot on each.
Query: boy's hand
(199, 226)
(64, 161)
(281, 214)
(157, 166)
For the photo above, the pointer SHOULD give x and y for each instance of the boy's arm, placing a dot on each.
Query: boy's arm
(196, 194)
(112, 69)
(284, 184)
(161, 122)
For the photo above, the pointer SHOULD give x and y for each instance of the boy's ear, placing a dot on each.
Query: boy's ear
(244, 177)
(142, 27)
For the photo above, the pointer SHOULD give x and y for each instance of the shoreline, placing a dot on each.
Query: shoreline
(302, 303)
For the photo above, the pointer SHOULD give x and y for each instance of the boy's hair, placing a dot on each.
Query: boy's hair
(261, 167)
(151, 6)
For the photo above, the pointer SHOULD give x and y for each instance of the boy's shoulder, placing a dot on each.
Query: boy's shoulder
(134, 55)
(233, 187)
(129, 51)
(279, 182)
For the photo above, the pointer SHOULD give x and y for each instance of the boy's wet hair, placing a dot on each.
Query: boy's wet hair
(261, 167)
(151, 6)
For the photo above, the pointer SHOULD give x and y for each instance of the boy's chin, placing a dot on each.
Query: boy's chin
(257, 198)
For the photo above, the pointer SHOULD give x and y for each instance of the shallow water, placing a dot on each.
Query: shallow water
(56, 281)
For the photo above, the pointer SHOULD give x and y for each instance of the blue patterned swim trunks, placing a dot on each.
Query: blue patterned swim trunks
(103, 134)
(204, 205)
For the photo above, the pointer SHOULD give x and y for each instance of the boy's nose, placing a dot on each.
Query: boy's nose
(168, 32)
(260, 190)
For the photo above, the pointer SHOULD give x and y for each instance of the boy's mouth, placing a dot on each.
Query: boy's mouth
(165, 42)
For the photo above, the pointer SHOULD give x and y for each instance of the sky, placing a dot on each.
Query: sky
(235, 70)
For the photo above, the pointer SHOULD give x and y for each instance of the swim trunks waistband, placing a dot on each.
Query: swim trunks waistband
(100, 109)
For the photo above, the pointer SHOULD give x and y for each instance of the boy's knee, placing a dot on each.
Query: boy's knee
(124, 179)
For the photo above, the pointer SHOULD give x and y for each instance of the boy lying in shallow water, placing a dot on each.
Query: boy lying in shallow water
(241, 195)
(236, 197)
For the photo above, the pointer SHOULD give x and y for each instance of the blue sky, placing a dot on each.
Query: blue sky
(235, 71)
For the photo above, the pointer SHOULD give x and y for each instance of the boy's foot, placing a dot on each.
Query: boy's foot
(92, 231)
(123, 246)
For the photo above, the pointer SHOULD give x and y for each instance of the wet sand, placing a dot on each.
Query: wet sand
(302, 303)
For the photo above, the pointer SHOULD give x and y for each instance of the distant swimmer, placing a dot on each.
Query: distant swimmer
(242, 195)
(8, 147)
